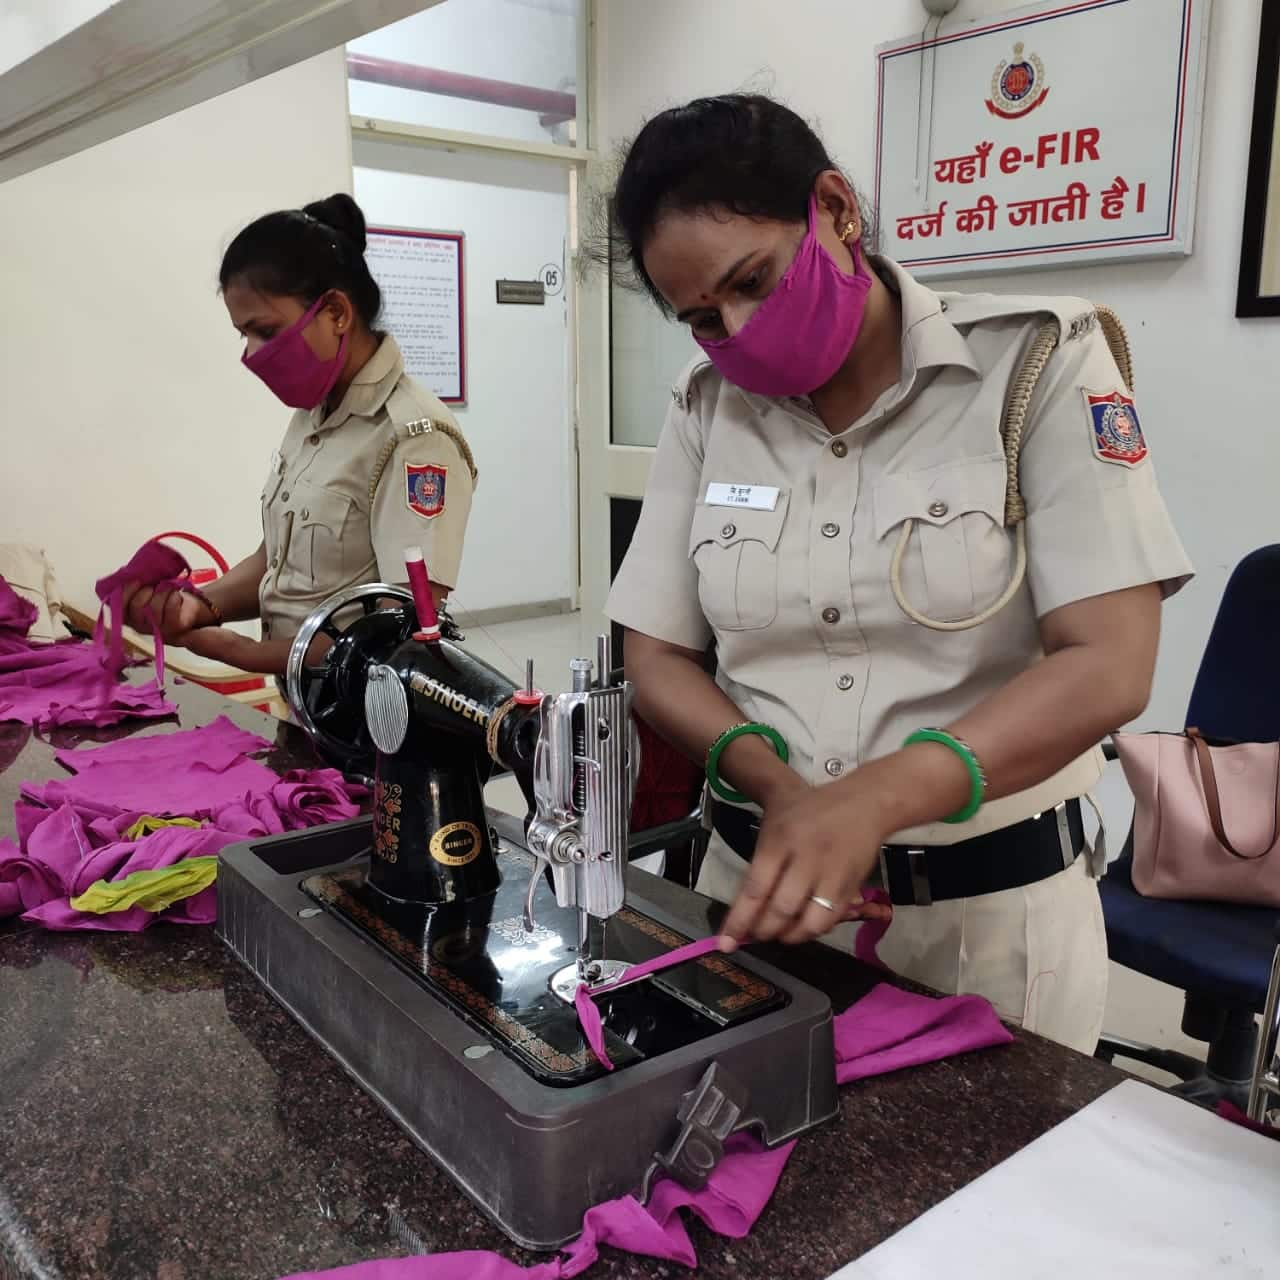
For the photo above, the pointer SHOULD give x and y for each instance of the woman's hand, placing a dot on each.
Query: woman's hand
(175, 612)
(814, 841)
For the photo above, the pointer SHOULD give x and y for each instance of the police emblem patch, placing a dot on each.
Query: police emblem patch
(1117, 434)
(1018, 86)
(424, 489)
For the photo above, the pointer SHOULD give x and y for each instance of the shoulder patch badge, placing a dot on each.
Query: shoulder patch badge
(1117, 434)
(424, 489)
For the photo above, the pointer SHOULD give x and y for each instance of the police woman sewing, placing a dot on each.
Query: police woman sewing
(372, 462)
(829, 505)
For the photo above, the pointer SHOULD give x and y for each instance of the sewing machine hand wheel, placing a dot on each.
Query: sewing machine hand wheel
(314, 687)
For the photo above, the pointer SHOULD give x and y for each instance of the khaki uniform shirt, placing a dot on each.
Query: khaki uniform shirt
(809, 636)
(323, 532)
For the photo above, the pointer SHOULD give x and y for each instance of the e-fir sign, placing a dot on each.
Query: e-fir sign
(1056, 134)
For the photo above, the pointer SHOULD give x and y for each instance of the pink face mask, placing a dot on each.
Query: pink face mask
(804, 330)
(291, 369)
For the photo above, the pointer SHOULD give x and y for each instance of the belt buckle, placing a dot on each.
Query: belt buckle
(1065, 843)
(917, 868)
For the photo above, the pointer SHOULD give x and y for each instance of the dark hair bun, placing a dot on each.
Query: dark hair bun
(341, 213)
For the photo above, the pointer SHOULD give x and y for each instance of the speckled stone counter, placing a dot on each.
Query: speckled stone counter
(162, 1117)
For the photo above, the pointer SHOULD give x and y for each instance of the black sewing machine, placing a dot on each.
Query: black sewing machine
(436, 949)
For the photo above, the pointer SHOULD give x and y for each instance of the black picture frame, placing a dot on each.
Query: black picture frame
(1255, 296)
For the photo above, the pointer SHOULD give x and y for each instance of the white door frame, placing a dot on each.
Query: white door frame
(605, 470)
(577, 161)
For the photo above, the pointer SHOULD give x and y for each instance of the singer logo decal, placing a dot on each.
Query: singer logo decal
(450, 698)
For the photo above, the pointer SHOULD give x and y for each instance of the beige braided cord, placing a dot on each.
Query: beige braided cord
(1013, 421)
(380, 466)
(1118, 341)
(445, 429)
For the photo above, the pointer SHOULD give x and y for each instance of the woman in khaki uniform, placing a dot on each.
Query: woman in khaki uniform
(372, 463)
(925, 537)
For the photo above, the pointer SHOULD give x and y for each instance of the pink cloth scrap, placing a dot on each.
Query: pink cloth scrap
(16, 614)
(66, 683)
(889, 1029)
(71, 833)
(584, 1002)
(153, 565)
(1229, 1111)
(867, 939)
(734, 1197)
(193, 774)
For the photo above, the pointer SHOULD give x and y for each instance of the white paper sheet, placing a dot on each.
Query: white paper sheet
(1139, 1185)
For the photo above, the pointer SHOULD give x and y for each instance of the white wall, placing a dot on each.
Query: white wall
(124, 410)
(1207, 382)
(514, 213)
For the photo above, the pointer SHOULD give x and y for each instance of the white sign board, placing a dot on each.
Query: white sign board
(1056, 134)
(420, 274)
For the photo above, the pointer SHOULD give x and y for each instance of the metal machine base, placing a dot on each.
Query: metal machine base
(451, 1025)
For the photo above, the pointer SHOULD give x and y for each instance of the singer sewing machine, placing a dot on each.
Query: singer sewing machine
(435, 949)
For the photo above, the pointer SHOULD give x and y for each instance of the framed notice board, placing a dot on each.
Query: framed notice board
(421, 277)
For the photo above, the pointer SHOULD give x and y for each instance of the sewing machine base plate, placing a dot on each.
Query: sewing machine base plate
(447, 1019)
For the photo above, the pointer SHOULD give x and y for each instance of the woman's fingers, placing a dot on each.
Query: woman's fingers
(752, 898)
(790, 900)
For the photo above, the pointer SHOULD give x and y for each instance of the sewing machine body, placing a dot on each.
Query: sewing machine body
(434, 949)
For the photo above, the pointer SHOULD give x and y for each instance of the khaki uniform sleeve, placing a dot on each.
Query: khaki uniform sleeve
(1096, 522)
(423, 500)
(656, 590)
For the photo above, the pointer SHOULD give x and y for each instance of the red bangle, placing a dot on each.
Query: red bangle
(218, 617)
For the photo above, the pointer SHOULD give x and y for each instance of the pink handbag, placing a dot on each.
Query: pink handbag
(1206, 820)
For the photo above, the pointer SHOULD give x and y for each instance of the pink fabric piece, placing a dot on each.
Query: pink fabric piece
(869, 933)
(1229, 1111)
(69, 682)
(303, 798)
(116, 861)
(52, 685)
(889, 1029)
(144, 773)
(217, 745)
(153, 565)
(74, 835)
(589, 1015)
(737, 1192)
(16, 614)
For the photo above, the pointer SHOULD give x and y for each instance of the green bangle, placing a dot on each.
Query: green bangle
(977, 777)
(771, 736)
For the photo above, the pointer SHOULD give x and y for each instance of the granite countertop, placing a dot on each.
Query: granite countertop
(162, 1117)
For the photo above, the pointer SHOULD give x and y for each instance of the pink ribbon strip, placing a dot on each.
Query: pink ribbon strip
(589, 1015)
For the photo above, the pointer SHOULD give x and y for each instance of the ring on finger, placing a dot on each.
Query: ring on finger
(825, 903)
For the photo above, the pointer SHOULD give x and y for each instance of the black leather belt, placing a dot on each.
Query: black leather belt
(1023, 854)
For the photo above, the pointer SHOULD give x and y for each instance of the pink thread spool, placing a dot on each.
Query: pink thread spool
(423, 601)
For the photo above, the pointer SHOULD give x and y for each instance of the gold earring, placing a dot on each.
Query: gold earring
(850, 228)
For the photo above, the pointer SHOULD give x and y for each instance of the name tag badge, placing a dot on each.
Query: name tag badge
(754, 497)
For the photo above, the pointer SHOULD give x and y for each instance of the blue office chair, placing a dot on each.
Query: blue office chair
(1219, 955)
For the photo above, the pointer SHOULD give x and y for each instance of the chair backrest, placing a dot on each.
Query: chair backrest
(1237, 690)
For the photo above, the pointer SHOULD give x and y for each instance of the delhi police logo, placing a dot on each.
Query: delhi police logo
(1117, 434)
(1018, 87)
(424, 489)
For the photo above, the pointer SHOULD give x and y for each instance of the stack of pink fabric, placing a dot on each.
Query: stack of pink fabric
(72, 832)
(75, 683)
